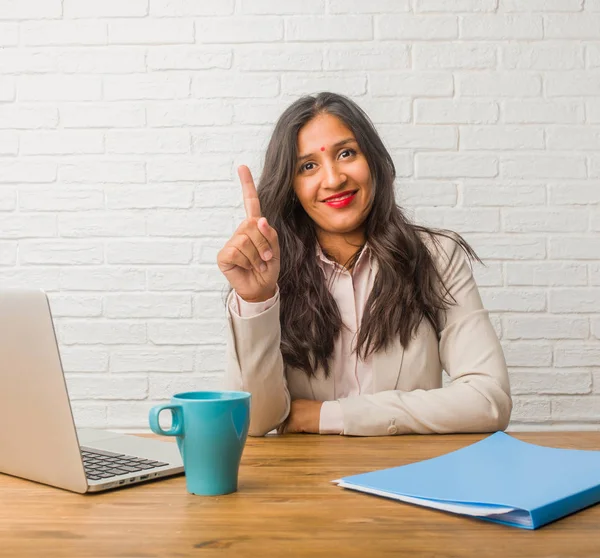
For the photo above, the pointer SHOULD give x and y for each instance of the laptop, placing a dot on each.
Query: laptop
(38, 437)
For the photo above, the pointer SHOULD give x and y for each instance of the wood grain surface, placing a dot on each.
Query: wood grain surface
(286, 506)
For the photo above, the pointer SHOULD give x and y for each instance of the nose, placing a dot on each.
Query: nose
(333, 177)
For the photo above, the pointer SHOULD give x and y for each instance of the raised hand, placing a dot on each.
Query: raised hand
(250, 258)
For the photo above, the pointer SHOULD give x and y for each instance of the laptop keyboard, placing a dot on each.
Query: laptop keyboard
(100, 464)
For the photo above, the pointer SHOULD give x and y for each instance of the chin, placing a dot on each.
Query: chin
(341, 227)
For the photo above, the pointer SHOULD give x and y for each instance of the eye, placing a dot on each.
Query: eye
(349, 151)
(305, 167)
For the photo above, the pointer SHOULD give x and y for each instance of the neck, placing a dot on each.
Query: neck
(341, 248)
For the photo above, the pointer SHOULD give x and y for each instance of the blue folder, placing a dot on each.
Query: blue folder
(499, 479)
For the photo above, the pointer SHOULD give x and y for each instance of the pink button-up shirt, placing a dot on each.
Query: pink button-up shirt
(351, 375)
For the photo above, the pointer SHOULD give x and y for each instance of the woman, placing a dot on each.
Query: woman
(342, 313)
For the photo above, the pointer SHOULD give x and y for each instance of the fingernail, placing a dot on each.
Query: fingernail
(267, 255)
(263, 267)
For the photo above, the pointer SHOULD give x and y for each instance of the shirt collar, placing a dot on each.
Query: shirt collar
(322, 259)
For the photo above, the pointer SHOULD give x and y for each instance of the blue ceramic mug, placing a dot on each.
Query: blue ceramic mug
(211, 429)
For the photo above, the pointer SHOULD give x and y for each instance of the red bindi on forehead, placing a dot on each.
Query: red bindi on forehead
(322, 149)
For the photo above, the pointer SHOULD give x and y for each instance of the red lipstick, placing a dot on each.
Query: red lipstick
(341, 200)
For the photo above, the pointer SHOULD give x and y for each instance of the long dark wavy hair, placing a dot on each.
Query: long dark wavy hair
(407, 289)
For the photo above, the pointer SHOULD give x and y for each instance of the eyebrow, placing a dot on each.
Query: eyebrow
(338, 144)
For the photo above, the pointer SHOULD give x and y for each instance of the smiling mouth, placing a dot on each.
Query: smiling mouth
(341, 197)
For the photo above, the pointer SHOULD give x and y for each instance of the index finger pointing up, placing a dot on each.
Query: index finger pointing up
(251, 202)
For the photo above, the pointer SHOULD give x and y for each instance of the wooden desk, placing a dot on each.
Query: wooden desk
(286, 506)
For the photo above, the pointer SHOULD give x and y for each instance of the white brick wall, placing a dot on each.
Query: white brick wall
(122, 123)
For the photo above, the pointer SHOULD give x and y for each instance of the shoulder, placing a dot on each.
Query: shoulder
(444, 248)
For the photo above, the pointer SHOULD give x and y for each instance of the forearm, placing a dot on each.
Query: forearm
(254, 364)
(474, 404)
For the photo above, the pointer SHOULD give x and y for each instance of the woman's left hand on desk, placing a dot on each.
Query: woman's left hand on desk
(305, 416)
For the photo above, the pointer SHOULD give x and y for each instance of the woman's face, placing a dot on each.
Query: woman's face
(332, 180)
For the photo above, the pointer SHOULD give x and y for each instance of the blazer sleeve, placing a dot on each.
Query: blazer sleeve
(254, 364)
(478, 397)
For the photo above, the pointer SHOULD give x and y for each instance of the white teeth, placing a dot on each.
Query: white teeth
(341, 198)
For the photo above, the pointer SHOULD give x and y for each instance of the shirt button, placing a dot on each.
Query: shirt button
(393, 429)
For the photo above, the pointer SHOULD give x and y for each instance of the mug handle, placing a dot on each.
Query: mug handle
(177, 418)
